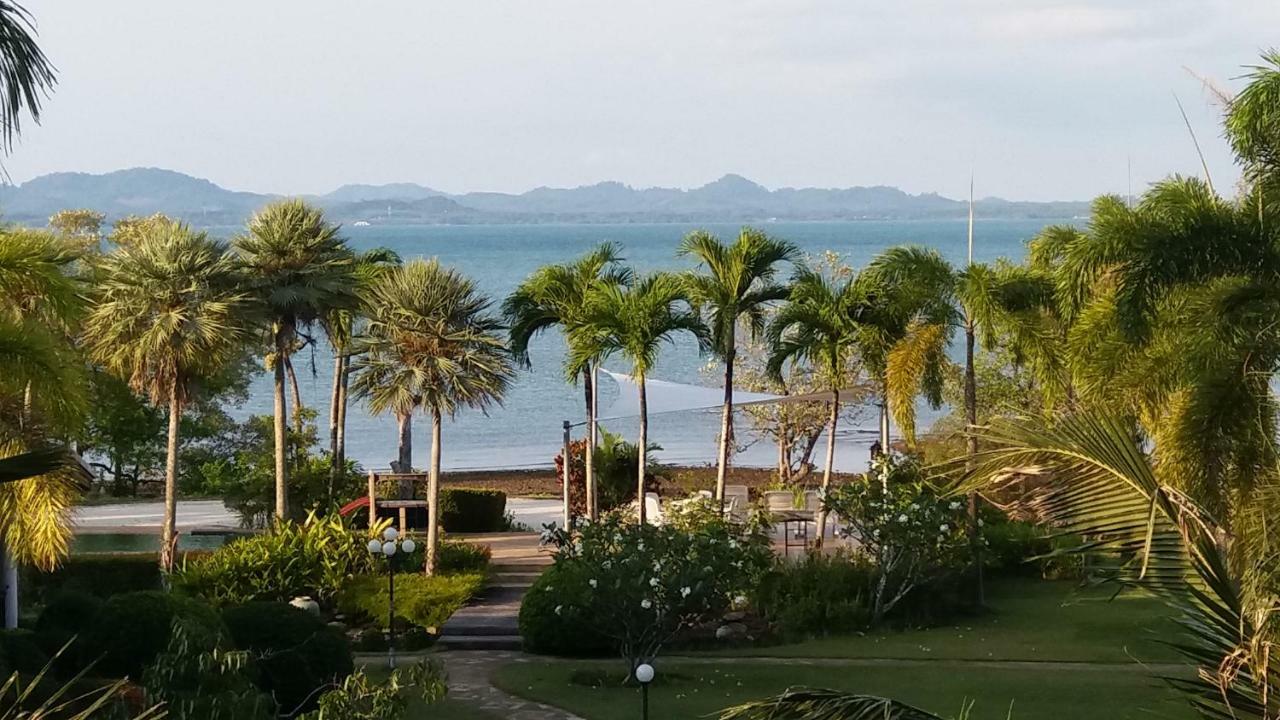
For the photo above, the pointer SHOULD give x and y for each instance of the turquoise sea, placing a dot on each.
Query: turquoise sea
(526, 430)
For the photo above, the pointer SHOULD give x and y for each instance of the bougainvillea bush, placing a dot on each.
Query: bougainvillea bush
(910, 532)
(631, 588)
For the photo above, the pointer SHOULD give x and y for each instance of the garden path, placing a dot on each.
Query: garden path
(489, 620)
(470, 683)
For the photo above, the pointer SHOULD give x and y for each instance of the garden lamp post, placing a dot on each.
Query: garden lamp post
(644, 675)
(386, 548)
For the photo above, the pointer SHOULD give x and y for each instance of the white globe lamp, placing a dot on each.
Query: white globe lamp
(408, 545)
(388, 548)
(375, 547)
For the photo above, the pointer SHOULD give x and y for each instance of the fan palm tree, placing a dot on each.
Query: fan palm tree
(635, 321)
(556, 296)
(166, 312)
(821, 324)
(339, 327)
(738, 285)
(299, 270)
(432, 343)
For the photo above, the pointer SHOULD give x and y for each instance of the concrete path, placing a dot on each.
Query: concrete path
(490, 620)
(470, 675)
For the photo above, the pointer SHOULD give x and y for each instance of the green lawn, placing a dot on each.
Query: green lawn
(1028, 620)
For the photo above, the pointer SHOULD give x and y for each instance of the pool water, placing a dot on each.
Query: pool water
(140, 542)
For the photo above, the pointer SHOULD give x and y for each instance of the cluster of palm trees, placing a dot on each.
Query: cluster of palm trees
(167, 307)
(897, 316)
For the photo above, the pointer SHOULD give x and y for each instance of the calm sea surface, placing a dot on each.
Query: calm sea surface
(526, 430)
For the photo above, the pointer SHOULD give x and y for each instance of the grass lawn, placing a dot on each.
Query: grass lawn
(694, 690)
(1029, 620)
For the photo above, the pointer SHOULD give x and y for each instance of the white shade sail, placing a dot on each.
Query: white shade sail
(664, 396)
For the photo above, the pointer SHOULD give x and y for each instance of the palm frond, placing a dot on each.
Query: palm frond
(818, 704)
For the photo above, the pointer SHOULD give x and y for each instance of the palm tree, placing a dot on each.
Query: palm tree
(42, 396)
(431, 342)
(738, 285)
(556, 295)
(635, 321)
(299, 270)
(166, 312)
(340, 325)
(27, 75)
(821, 324)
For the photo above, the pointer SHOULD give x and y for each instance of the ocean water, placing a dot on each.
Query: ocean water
(526, 430)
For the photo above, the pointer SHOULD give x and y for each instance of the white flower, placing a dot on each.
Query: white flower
(684, 591)
(944, 527)
(955, 505)
(657, 566)
(646, 604)
(980, 523)
(740, 600)
(915, 506)
(549, 588)
(902, 517)
(559, 608)
(653, 582)
(606, 564)
(733, 544)
(640, 546)
(592, 582)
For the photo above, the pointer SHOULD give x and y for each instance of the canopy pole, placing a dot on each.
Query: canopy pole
(568, 513)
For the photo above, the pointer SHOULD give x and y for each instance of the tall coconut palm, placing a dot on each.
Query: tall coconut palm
(299, 269)
(737, 285)
(340, 325)
(166, 312)
(635, 321)
(431, 341)
(556, 296)
(821, 324)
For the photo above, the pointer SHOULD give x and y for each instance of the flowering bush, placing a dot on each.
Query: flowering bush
(633, 588)
(903, 526)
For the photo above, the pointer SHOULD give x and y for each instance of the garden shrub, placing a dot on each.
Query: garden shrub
(545, 631)
(359, 698)
(196, 683)
(818, 595)
(640, 586)
(911, 535)
(472, 510)
(617, 462)
(103, 575)
(294, 652)
(315, 558)
(462, 557)
(133, 628)
(65, 617)
(1019, 548)
(421, 600)
(21, 652)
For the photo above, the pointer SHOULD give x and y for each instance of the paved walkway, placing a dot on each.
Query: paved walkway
(470, 673)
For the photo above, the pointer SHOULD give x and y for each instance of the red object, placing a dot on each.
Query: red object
(358, 503)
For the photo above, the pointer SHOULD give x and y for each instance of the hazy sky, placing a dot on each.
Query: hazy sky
(1042, 99)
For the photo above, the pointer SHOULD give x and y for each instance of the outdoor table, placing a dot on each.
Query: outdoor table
(788, 518)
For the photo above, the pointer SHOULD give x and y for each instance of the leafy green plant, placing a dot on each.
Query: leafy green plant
(102, 575)
(819, 595)
(463, 557)
(360, 698)
(815, 704)
(295, 655)
(314, 558)
(640, 586)
(424, 601)
(197, 683)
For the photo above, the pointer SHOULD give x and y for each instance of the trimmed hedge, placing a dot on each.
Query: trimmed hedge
(473, 510)
(547, 632)
(133, 628)
(102, 575)
(422, 601)
(295, 652)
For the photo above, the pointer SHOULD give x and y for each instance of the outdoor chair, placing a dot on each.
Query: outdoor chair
(738, 500)
(652, 509)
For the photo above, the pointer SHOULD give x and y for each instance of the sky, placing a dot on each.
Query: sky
(1038, 99)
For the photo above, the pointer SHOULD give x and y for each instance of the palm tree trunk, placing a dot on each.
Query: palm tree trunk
(784, 463)
(404, 454)
(821, 520)
(297, 396)
(281, 433)
(433, 494)
(642, 449)
(971, 450)
(168, 534)
(726, 430)
(342, 414)
(884, 417)
(334, 392)
(589, 451)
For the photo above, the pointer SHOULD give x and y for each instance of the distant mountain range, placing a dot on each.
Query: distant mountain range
(732, 198)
